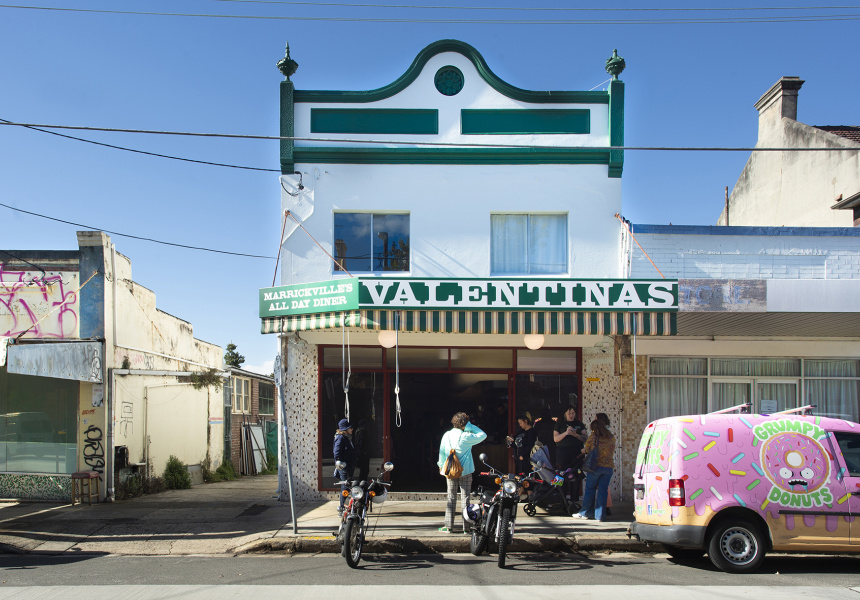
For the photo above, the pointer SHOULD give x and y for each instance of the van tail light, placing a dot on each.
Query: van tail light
(676, 492)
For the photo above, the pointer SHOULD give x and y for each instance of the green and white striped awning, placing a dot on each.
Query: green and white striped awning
(485, 322)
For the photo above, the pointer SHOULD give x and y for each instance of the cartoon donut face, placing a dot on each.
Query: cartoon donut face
(795, 463)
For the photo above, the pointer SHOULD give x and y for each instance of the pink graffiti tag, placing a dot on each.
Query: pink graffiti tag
(22, 292)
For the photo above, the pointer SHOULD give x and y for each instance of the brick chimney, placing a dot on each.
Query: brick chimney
(779, 101)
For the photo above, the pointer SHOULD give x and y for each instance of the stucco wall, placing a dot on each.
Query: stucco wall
(302, 366)
(601, 392)
(795, 188)
(44, 305)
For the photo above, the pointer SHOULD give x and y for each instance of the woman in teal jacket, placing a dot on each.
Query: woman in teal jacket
(461, 438)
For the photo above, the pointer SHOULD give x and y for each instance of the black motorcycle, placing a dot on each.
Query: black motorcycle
(494, 516)
(353, 525)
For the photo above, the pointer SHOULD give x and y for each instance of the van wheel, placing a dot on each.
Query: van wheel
(679, 553)
(736, 547)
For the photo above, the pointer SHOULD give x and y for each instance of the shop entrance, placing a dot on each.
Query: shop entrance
(487, 384)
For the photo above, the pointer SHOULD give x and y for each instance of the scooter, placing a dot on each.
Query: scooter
(494, 516)
(353, 524)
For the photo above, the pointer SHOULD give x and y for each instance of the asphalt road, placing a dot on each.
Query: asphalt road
(645, 575)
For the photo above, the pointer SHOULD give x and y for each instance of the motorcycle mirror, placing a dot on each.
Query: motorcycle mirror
(338, 464)
(483, 457)
(388, 466)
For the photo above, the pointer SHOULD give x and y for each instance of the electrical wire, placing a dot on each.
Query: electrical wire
(440, 144)
(538, 8)
(202, 162)
(18, 258)
(615, 21)
(135, 237)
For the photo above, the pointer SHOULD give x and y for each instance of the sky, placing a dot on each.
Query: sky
(690, 82)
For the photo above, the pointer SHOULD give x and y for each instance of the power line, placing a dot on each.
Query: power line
(135, 237)
(439, 144)
(661, 21)
(539, 9)
(202, 162)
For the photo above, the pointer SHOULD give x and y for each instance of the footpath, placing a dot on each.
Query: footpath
(244, 516)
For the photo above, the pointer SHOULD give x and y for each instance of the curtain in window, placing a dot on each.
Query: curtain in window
(834, 398)
(547, 244)
(509, 244)
(679, 366)
(832, 368)
(673, 396)
(727, 395)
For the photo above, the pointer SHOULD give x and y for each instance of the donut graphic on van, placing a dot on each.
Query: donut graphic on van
(737, 486)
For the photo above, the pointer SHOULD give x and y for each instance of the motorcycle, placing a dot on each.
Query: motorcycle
(493, 517)
(353, 525)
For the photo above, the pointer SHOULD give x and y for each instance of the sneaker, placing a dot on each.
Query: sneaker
(340, 510)
(579, 516)
(444, 530)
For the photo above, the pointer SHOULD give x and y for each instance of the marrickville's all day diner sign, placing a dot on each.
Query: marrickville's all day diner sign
(471, 294)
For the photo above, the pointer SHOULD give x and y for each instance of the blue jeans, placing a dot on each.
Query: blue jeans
(343, 475)
(596, 491)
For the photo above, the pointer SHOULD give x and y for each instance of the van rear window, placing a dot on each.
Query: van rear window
(653, 452)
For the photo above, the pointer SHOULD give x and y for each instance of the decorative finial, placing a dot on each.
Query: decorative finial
(287, 65)
(615, 64)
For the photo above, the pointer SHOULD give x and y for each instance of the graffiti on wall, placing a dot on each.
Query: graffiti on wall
(94, 452)
(45, 305)
(126, 418)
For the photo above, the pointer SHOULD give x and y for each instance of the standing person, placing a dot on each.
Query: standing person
(543, 427)
(569, 436)
(344, 451)
(460, 439)
(361, 442)
(523, 440)
(597, 482)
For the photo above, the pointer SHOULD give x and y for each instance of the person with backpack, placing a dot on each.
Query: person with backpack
(455, 454)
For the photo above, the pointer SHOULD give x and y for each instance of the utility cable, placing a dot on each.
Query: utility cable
(334, 260)
(202, 162)
(697, 21)
(445, 144)
(18, 258)
(135, 237)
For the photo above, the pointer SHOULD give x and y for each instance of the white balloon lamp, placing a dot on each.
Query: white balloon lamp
(533, 341)
(387, 338)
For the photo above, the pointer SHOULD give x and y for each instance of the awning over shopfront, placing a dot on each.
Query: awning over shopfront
(483, 322)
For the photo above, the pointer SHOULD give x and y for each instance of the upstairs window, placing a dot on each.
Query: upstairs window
(371, 242)
(528, 244)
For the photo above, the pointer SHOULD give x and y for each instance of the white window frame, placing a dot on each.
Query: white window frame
(241, 400)
(528, 271)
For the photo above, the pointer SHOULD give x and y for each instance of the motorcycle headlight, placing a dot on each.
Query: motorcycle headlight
(356, 492)
(510, 487)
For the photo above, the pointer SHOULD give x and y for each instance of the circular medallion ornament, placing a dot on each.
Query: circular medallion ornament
(449, 80)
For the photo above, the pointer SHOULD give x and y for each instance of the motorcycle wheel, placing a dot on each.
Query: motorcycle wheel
(504, 532)
(479, 540)
(530, 510)
(353, 540)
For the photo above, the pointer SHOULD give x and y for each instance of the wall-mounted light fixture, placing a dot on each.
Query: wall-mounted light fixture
(387, 338)
(533, 341)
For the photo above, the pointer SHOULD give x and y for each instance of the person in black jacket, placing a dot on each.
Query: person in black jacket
(344, 451)
(523, 440)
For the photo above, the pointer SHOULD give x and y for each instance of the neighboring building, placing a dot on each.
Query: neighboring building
(88, 364)
(797, 189)
(249, 400)
(767, 315)
(469, 250)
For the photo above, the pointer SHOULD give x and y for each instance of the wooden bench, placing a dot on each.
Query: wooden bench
(82, 483)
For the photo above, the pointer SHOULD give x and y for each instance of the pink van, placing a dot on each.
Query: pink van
(738, 485)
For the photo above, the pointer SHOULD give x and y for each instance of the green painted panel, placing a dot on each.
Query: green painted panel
(512, 121)
(451, 156)
(375, 120)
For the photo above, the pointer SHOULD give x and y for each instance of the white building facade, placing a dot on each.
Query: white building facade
(464, 214)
